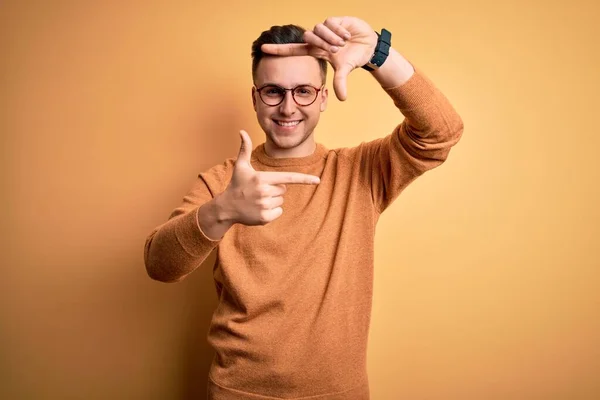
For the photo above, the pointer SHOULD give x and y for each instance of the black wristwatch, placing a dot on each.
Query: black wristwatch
(382, 50)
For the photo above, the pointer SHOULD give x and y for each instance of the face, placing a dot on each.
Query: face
(288, 126)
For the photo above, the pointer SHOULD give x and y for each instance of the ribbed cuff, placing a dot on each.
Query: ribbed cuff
(191, 237)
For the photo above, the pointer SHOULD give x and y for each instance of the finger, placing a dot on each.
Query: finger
(289, 49)
(294, 49)
(268, 190)
(335, 25)
(339, 81)
(326, 35)
(319, 47)
(271, 215)
(245, 147)
(274, 178)
(275, 190)
(275, 202)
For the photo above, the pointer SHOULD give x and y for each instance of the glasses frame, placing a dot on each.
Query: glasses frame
(285, 90)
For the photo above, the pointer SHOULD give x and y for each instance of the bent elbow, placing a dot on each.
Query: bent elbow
(155, 272)
(155, 267)
(456, 129)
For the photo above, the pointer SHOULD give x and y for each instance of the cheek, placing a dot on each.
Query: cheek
(262, 112)
(314, 113)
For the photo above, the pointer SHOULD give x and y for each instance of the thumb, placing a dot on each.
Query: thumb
(245, 148)
(339, 81)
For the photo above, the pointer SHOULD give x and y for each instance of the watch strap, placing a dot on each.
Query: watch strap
(382, 50)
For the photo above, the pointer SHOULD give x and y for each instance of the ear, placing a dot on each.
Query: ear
(324, 96)
(253, 98)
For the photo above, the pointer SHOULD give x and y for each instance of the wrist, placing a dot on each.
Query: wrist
(383, 42)
(395, 72)
(223, 211)
(213, 220)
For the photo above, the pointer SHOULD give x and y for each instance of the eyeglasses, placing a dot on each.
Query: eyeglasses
(273, 95)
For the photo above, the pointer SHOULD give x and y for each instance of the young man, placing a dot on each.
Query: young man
(293, 223)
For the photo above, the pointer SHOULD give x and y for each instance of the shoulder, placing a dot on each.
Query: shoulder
(356, 153)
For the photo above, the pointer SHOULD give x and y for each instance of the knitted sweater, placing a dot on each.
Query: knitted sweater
(295, 295)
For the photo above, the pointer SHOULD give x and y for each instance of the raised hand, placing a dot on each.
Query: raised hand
(345, 42)
(255, 197)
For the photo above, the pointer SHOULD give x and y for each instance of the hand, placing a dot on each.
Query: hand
(346, 43)
(255, 197)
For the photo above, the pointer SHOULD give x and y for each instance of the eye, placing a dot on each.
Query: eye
(272, 91)
(304, 91)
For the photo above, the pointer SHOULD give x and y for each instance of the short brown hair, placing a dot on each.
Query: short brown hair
(281, 35)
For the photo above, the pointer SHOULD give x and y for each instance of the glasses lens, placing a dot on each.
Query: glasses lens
(272, 95)
(305, 95)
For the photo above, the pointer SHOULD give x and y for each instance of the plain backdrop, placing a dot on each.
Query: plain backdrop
(487, 281)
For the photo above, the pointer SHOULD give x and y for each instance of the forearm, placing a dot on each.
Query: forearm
(395, 71)
(430, 118)
(419, 143)
(180, 245)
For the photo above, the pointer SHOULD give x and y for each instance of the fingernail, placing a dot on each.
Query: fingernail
(334, 49)
(342, 43)
(346, 36)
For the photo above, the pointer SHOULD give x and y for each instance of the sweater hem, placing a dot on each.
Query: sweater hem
(217, 391)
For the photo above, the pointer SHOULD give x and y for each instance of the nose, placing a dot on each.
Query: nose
(288, 105)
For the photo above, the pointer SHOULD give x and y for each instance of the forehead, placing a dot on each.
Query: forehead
(288, 71)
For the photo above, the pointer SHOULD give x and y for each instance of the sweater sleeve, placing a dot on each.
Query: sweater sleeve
(420, 143)
(177, 247)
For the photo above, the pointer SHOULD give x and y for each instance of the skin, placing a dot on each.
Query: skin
(289, 72)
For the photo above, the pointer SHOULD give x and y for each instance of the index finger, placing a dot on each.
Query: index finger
(275, 178)
(289, 49)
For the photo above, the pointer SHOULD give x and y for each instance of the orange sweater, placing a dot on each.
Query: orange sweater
(295, 295)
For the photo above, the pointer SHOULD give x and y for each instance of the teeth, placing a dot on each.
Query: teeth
(293, 123)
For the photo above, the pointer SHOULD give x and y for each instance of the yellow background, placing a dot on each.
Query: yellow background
(487, 268)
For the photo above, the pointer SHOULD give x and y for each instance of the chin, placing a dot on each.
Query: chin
(286, 142)
(289, 143)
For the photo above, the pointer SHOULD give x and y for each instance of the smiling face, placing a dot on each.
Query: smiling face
(288, 126)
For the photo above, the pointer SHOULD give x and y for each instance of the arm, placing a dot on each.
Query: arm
(395, 71)
(421, 142)
(177, 247)
(194, 229)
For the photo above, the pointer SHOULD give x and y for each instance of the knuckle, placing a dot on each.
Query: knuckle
(258, 201)
(261, 191)
(263, 218)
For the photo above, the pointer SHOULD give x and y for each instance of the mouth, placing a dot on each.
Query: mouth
(287, 124)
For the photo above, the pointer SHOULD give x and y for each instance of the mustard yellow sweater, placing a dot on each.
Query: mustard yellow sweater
(295, 295)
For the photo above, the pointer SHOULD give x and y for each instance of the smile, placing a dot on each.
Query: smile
(287, 123)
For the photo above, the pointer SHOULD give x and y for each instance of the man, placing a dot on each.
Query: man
(293, 223)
